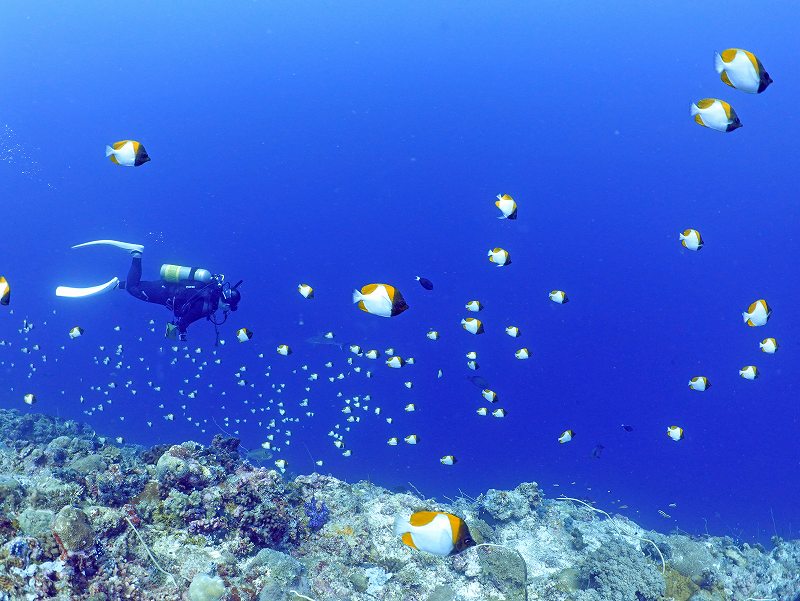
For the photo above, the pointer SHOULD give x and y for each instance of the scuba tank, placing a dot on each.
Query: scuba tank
(175, 274)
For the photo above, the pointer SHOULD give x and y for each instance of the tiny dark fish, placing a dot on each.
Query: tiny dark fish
(596, 452)
(478, 382)
(425, 283)
(627, 428)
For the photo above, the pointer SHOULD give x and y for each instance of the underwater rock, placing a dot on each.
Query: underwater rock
(84, 466)
(35, 522)
(504, 505)
(11, 491)
(73, 529)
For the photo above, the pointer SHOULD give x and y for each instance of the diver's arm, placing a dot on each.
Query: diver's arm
(195, 309)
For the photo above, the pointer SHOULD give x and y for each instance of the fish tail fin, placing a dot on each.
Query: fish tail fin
(719, 64)
(681, 237)
(109, 151)
(357, 296)
(693, 110)
(745, 317)
(401, 524)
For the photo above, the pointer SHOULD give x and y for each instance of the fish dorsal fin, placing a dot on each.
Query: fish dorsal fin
(728, 55)
(136, 146)
(119, 145)
(422, 518)
(390, 291)
(369, 289)
(705, 103)
(727, 108)
(753, 60)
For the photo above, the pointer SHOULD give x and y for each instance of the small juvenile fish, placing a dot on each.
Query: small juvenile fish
(424, 282)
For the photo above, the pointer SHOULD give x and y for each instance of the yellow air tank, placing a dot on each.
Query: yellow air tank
(178, 273)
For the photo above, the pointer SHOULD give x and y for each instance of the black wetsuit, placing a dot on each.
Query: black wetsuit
(188, 301)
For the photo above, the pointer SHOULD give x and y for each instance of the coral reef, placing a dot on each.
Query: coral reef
(82, 519)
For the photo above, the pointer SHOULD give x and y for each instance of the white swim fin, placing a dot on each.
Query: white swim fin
(69, 292)
(130, 247)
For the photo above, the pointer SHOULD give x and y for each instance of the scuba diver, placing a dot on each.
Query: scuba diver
(189, 293)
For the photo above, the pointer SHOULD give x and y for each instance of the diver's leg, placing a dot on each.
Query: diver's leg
(134, 282)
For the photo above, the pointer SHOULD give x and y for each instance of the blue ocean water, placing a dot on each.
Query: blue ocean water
(341, 144)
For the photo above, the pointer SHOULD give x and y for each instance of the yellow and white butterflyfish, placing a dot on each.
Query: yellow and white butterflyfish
(757, 314)
(281, 464)
(507, 206)
(243, 334)
(305, 290)
(410, 407)
(128, 153)
(522, 353)
(389, 351)
(283, 349)
(30, 398)
(558, 296)
(691, 239)
(408, 384)
(410, 360)
(411, 439)
(355, 349)
(329, 335)
(372, 354)
(392, 442)
(715, 114)
(699, 383)
(380, 299)
(472, 355)
(473, 365)
(339, 444)
(675, 433)
(395, 362)
(499, 412)
(489, 395)
(499, 257)
(472, 325)
(741, 69)
(434, 532)
(433, 335)
(76, 332)
(448, 460)
(512, 331)
(474, 306)
(5, 291)
(566, 436)
(482, 411)
(768, 345)
(749, 372)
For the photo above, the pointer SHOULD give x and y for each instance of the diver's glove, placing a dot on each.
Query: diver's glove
(171, 331)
